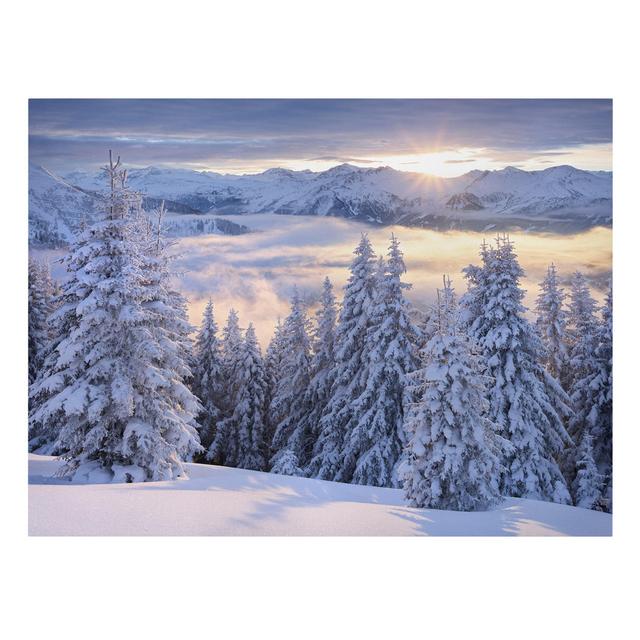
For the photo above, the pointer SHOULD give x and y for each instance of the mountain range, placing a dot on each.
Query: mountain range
(560, 198)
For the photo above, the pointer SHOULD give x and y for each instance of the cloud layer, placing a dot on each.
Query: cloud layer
(246, 135)
(256, 273)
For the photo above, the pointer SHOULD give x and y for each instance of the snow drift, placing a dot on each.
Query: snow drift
(226, 501)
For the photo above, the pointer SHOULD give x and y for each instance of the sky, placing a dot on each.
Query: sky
(440, 137)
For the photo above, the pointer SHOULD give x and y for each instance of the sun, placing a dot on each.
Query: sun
(446, 163)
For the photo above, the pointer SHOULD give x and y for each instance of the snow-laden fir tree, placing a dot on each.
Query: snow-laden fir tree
(288, 406)
(524, 397)
(117, 375)
(551, 324)
(159, 247)
(602, 413)
(475, 299)
(582, 338)
(582, 329)
(452, 454)
(244, 428)
(591, 388)
(321, 373)
(207, 375)
(373, 442)
(43, 432)
(39, 310)
(221, 449)
(171, 305)
(351, 368)
(286, 464)
(588, 483)
(272, 367)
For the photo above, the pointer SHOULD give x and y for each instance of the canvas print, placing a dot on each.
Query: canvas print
(320, 317)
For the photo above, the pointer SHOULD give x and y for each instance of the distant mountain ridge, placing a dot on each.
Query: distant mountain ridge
(558, 198)
(57, 209)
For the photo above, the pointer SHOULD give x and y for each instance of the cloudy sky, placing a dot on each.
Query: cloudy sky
(442, 137)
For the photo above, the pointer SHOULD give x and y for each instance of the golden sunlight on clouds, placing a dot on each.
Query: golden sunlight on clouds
(450, 163)
(445, 162)
(256, 273)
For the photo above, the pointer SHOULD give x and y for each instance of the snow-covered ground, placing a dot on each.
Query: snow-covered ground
(225, 501)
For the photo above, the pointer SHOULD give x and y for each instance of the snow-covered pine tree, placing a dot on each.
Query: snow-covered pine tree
(286, 464)
(273, 367)
(40, 307)
(43, 432)
(582, 330)
(587, 484)
(322, 370)
(583, 339)
(373, 442)
(427, 326)
(602, 415)
(591, 391)
(157, 249)
(245, 428)
(288, 403)
(452, 455)
(551, 324)
(524, 397)
(474, 301)
(221, 449)
(207, 375)
(164, 300)
(350, 377)
(116, 376)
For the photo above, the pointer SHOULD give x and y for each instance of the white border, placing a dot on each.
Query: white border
(317, 588)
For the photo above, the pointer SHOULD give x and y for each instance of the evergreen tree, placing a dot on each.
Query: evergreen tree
(117, 374)
(475, 300)
(221, 449)
(587, 484)
(602, 430)
(44, 431)
(350, 377)
(591, 390)
(40, 307)
(452, 455)
(167, 303)
(207, 378)
(286, 464)
(551, 324)
(273, 368)
(322, 369)
(524, 397)
(288, 403)
(373, 443)
(582, 338)
(245, 429)
(582, 330)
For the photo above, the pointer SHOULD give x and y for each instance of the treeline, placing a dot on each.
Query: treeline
(467, 404)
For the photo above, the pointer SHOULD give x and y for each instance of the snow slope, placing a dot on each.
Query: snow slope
(55, 207)
(225, 501)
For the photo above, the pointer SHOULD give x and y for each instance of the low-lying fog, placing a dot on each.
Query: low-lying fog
(256, 273)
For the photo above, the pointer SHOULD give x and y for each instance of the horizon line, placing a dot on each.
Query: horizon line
(311, 171)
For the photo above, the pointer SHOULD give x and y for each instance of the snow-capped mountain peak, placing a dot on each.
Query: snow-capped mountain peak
(556, 197)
